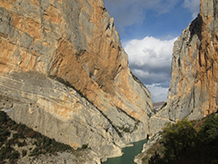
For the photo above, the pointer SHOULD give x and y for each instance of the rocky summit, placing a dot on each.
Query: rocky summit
(193, 89)
(64, 73)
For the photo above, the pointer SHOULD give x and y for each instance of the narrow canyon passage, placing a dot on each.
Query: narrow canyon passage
(129, 154)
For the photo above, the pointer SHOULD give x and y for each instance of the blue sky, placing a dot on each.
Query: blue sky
(148, 30)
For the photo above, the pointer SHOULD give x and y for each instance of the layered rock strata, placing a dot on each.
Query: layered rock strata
(193, 89)
(64, 73)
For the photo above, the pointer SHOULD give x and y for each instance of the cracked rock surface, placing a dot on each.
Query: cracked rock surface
(193, 89)
(64, 73)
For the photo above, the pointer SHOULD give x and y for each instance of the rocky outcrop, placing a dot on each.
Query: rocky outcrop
(140, 158)
(64, 73)
(193, 90)
(58, 112)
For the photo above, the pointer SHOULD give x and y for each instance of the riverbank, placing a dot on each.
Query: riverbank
(129, 154)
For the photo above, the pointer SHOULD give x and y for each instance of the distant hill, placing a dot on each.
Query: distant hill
(158, 105)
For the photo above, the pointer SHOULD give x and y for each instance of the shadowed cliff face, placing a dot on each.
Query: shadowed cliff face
(63, 72)
(193, 90)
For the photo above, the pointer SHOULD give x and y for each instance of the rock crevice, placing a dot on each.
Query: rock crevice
(64, 71)
(193, 89)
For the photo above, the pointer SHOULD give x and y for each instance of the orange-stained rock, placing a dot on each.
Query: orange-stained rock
(50, 49)
(193, 90)
(196, 88)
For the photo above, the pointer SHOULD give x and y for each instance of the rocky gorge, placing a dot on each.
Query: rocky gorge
(193, 90)
(64, 73)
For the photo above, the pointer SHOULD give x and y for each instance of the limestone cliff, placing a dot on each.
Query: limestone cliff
(64, 73)
(193, 90)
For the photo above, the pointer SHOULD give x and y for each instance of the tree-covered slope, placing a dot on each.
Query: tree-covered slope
(186, 142)
(17, 142)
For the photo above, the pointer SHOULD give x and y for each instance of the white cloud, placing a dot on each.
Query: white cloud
(150, 51)
(150, 61)
(193, 6)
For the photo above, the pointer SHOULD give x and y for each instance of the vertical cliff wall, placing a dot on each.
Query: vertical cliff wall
(193, 89)
(64, 73)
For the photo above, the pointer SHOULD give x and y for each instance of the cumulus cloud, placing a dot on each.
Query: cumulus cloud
(129, 12)
(150, 60)
(193, 6)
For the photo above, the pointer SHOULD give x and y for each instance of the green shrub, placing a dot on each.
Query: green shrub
(156, 159)
(4, 133)
(84, 146)
(14, 155)
(208, 138)
(178, 140)
(43, 143)
(3, 117)
(21, 135)
(11, 142)
(21, 144)
(5, 152)
(15, 135)
(188, 142)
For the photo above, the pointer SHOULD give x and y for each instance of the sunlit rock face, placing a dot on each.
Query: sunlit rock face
(64, 73)
(193, 90)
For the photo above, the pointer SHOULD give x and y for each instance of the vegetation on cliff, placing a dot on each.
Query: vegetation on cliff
(189, 142)
(18, 141)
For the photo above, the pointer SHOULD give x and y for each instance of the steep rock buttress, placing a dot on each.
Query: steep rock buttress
(193, 89)
(64, 73)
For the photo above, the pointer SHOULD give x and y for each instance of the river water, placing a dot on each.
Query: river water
(129, 154)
